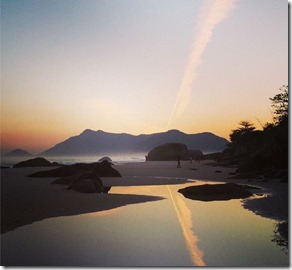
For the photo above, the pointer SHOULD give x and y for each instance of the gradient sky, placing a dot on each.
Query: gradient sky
(118, 66)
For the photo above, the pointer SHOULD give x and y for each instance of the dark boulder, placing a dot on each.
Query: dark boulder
(82, 177)
(101, 169)
(105, 159)
(35, 162)
(85, 182)
(106, 189)
(217, 192)
(71, 179)
(88, 185)
(168, 152)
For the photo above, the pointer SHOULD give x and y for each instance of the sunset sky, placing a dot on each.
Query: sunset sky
(137, 66)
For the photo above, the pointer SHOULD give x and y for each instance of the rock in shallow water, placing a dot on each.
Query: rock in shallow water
(217, 192)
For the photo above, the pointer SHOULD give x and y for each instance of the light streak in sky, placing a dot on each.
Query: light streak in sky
(184, 216)
(212, 13)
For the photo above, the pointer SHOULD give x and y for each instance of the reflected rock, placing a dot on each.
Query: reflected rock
(218, 192)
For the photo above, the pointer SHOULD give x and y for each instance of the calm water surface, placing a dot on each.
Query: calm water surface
(172, 232)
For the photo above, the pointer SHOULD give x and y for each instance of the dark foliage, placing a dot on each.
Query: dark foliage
(280, 105)
(264, 152)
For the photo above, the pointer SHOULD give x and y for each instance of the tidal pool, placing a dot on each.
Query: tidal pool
(172, 232)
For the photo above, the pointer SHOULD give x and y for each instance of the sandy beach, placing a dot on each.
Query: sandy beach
(273, 205)
(25, 200)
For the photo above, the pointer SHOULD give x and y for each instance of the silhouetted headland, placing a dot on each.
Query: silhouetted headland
(89, 143)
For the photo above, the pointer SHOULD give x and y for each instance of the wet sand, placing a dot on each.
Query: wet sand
(25, 200)
(274, 205)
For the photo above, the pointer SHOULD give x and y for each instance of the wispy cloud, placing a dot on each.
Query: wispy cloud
(211, 14)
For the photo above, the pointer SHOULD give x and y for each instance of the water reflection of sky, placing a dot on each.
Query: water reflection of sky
(171, 232)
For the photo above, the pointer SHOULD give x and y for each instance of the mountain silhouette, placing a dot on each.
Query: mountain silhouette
(18, 153)
(99, 142)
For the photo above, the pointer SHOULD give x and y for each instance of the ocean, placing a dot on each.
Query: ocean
(68, 160)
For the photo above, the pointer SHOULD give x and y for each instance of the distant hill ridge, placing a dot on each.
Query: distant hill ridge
(99, 142)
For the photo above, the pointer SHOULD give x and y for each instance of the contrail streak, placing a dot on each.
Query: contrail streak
(185, 219)
(212, 13)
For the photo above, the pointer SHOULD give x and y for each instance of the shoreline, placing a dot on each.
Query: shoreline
(25, 200)
(274, 206)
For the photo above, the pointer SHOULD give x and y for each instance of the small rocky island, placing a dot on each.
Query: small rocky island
(36, 162)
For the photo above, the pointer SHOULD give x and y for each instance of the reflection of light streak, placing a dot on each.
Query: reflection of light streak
(185, 219)
(212, 13)
(103, 213)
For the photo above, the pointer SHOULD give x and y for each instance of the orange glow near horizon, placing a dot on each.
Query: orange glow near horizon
(32, 136)
(40, 138)
(30, 141)
(123, 68)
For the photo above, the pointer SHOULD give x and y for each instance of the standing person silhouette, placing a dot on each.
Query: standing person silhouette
(178, 162)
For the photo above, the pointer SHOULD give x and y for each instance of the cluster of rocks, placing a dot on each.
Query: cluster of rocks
(82, 177)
